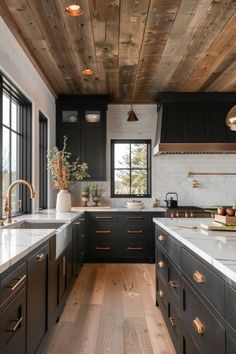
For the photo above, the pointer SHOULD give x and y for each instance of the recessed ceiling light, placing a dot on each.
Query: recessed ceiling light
(74, 10)
(87, 71)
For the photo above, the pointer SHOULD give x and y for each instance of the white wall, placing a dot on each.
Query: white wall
(17, 67)
(170, 172)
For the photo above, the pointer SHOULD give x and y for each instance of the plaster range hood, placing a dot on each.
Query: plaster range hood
(193, 132)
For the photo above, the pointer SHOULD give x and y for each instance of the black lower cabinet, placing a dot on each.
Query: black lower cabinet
(198, 305)
(37, 298)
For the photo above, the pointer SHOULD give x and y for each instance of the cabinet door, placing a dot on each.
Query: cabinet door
(95, 151)
(52, 282)
(76, 245)
(73, 131)
(61, 276)
(37, 298)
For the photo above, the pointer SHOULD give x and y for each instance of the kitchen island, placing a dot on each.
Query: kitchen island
(195, 285)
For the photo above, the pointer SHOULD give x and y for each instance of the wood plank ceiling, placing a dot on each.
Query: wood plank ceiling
(137, 48)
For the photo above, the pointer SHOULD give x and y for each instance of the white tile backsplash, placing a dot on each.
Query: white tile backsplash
(169, 172)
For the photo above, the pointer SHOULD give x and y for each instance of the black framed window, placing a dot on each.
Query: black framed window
(130, 168)
(15, 145)
(43, 172)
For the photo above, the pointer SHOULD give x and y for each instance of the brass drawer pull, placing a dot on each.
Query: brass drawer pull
(103, 231)
(198, 326)
(161, 294)
(16, 326)
(173, 284)
(161, 264)
(134, 217)
(134, 248)
(104, 217)
(161, 237)
(199, 278)
(40, 257)
(135, 231)
(103, 248)
(20, 281)
(172, 321)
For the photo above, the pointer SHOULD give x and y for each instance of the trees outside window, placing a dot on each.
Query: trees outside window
(131, 168)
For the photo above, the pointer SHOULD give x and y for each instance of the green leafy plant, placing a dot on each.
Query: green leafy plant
(86, 187)
(96, 190)
(64, 172)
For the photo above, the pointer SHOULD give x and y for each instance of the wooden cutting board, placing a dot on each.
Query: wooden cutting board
(220, 227)
(225, 219)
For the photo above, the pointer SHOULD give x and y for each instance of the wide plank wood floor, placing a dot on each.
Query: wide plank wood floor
(111, 310)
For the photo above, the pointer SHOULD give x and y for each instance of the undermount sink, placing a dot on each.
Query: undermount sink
(35, 224)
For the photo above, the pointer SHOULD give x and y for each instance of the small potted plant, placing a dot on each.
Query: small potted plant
(85, 194)
(96, 191)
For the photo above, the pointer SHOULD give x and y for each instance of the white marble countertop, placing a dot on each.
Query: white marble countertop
(17, 243)
(124, 209)
(216, 247)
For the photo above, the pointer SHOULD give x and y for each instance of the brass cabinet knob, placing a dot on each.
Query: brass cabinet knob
(199, 278)
(40, 257)
(161, 294)
(161, 264)
(199, 328)
(172, 321)
(173, 284)
(161, 237)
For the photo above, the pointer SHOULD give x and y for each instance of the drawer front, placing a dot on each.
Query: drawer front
(174, 282)
(161, 238)
(189, 347)
(104, 250)
(230, 344)
(134, 249)
(231, 306)
(207, 282)
(174, 325)
(98, 230)
(12, 283)
(201, 323)
(161, 297)
(104, 217)
(136, 219)
(13, 325)
(161, 264)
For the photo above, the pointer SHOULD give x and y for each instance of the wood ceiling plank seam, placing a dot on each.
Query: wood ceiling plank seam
(50, 22)
(211, 25)
(14, 28)
(226, 81)
(132, 27)
(157, 24)
(190, 12)
(106, 44)
(221, 54)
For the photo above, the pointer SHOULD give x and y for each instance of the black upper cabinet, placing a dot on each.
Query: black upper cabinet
(196, 118)
(83, 120)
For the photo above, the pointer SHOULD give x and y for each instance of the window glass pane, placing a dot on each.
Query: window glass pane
(122, 182)
(5, 161)
(139, 155)
(14, 156)
(6, 110)
(139, 182)
(122, 155)
(14, 109)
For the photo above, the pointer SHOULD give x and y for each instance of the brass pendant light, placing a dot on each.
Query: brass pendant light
(231, 119)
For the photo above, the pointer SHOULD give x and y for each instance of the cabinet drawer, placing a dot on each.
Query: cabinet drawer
(13, 325)
(134, 231)
(99, 230)
(161, 297)
(103, 217)
(189, 347)
(104, 250)
(161, 264)
(174, 281)
(12, 283)
(230, 344)
(168, 244)
(207, 282)
(231, 306)
(134, 249)
(201, 323)
(174, 325)
(131, 218)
